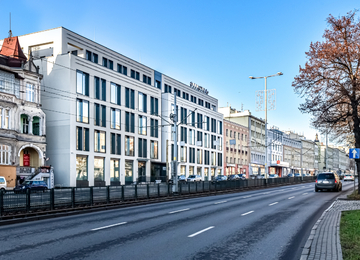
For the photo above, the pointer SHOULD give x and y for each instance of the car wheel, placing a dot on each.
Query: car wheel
(3, 191)
(316, 190)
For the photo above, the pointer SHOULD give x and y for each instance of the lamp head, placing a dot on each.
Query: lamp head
(280, 73)
(251, 77)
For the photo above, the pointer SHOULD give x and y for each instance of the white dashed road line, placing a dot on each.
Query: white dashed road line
(273, 203)
(247, 213)
(220, 202)
(291, 198)
(113, 225)
(201, 231)
(304, 193)
(246, 197)
(180, 210)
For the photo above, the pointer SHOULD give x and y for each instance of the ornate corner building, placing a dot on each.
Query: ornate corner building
(22, 121)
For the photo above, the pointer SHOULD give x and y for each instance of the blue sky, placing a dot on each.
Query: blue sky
(216, 44)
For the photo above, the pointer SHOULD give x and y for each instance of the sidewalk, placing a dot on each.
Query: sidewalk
(324, 240)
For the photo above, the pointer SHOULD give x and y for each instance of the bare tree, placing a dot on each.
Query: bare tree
(330, 80)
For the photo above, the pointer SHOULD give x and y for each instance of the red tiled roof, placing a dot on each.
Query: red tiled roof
(11, 48)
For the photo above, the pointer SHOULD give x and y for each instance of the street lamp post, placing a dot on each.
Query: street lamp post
(251, 77)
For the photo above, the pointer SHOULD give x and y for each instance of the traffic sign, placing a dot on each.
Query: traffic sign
(354, 153)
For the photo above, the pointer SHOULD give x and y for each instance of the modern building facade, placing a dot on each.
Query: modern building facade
(236, 148)
(275, 152)
(292, 154)
(256, 128)
(22, 121)
(200, 130)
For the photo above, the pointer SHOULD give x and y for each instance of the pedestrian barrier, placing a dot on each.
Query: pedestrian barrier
(30, 201)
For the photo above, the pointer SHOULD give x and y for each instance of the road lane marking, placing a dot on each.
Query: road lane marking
(247, 213)
(220, 202)
(291, 198)
(180, 210)
(273, 203)
(304, 193)
(201, 231)
(246, 197)
(113, 225)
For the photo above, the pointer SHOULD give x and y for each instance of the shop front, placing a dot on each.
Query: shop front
(277, 167)
(257, 169)
(230, 169)
(158, 171)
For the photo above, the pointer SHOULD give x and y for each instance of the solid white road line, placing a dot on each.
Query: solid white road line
(201, 231)
(247, 213)
(246, 197)
(172, 212)
(304, 193)
(220, 202)
(113, 225)
(291, 198)
(273, 203)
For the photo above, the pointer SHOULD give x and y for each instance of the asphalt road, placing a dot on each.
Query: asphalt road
(264, 224)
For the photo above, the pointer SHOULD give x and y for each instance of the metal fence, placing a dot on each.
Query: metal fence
(29, 201)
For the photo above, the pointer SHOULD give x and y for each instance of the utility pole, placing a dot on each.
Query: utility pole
(174, 162)
(326, 150)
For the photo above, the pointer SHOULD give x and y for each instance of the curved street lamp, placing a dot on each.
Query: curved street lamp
(265, 77)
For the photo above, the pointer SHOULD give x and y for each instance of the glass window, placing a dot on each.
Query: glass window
(192, 137)
(199, 156)
(154, 128)
(129, 145)
(82, 139)
(111, 64)
(128, 171)
(82, 83)
(81, 167)
(25, 124)
(129, 98)
(129, 122)
(105, 62)
(100, 115)
(115, 170)
(115, 94)
(153, 149)
(183, 150)
(82, 111)
(142, 148)
(115, 144)
(142, 125)
(115, 118)
(142, 102)
(30, 92)
(99, 169)
(125, 70)
(100, 141)
(154, 109)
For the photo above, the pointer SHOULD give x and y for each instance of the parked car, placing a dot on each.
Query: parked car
(242, 176)
(272, 176)
(181, 178)
(349, 177)
(193, 178)
(290, 175)
(328, 181)
(3, 184)
(31, 185)
(297, 175)
(233, 177)
(220, 178)
(260, 176)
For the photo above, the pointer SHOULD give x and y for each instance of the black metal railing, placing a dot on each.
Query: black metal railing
(52, 199)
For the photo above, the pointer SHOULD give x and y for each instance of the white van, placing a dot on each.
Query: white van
(2, 184)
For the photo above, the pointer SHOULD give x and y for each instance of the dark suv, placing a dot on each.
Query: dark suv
(328, 181)
(31, 185)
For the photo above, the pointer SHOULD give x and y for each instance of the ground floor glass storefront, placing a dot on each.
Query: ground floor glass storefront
(114, 172)
(82, 171)
(99, 171)
(128, 171)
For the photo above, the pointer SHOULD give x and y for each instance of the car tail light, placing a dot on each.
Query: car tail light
(316, 181)
(335, 181)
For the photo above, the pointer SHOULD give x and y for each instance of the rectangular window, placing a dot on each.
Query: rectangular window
(100, 141)
(142, 102)
(125, 70)
(199, 156)
(154, 106)
(97, 87)
(191, 137)
(115, 118)
(158, 84)
(105, 62)
(81, 167)
(129, 122)
(183, 134)
(183, 153)
(153, 149)
(95, 58)
(183, 115)
(129, 98)
(115, 94)
(213, 158)
(167, 89)
(213, 125)
(100, 115)
(146, 79)
(207, 124)
(206, 140)
(142, 148)
(132, 73)
(193, 99)
(129, 145)
(193, 121)
(82, 139)
(199, 121)
(114, 170)
(219, 159)
(207, 105)
(88, 55)
(220, 129)
(30, 92)
(111, 64)
(137, 75)
(154, 132)
(115, 144)
(99, 169)
(199, 137)
(142, 125)
(192, 155)
(201, 102)
(82, 83)
(82, 111)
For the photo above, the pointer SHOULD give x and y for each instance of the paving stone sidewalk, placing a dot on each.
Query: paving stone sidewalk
(324, 240)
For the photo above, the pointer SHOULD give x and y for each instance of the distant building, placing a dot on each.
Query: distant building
(276, 152)
(22, 121)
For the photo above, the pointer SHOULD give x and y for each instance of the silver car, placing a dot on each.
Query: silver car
(193, 178)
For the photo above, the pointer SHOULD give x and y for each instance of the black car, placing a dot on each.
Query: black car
(219, 178)
(233, 177)
(328, 181)
(31, 185)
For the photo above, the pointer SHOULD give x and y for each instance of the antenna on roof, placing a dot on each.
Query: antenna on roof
(10, 33)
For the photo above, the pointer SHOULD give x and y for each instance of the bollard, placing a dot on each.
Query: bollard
(28, 200)
(158, 188)
(180, 188)
(147, 191)
(107, 194)
(122, 193)
(91, 196)
(136, 192)
(52, 199)
(73, 197)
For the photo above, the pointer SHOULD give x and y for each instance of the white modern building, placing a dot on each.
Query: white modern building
(200, 129)
(102, 110)
(276, 152)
